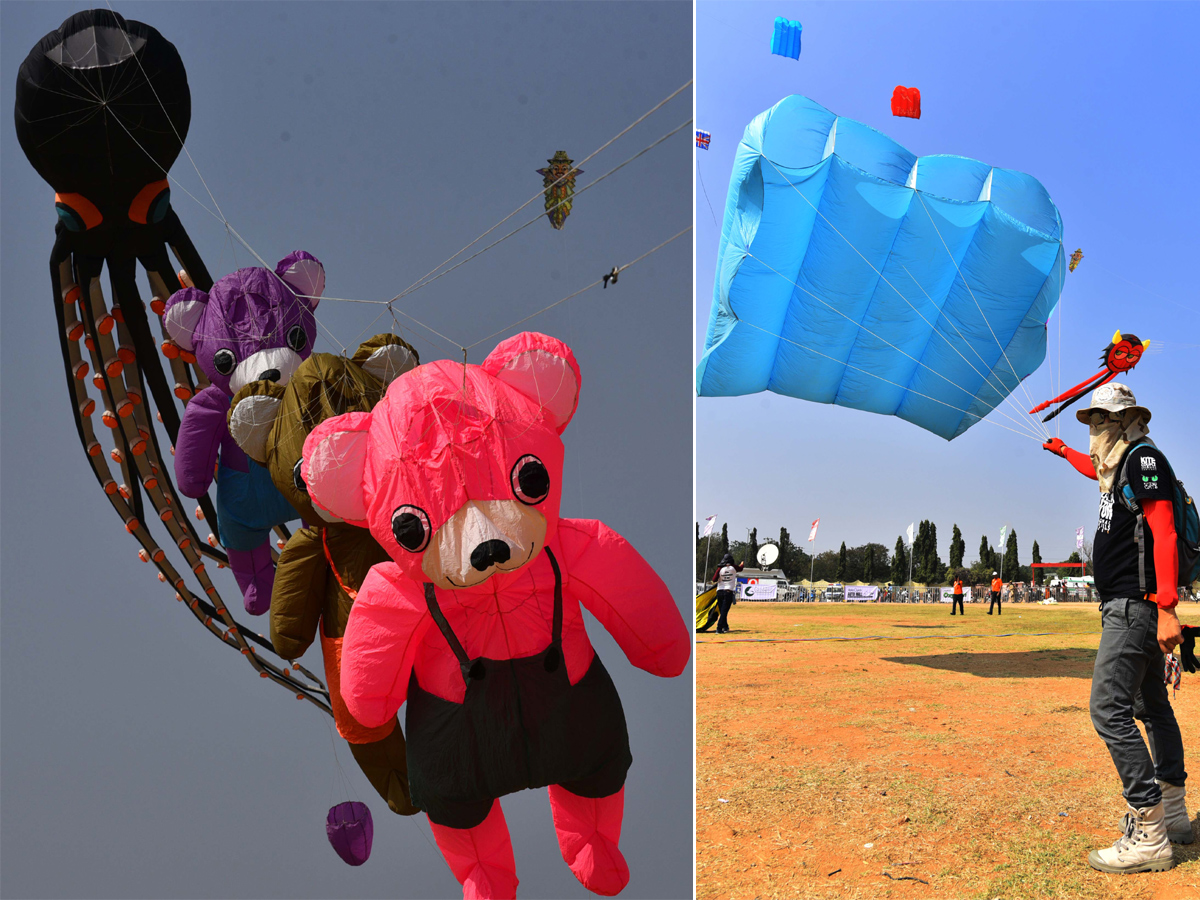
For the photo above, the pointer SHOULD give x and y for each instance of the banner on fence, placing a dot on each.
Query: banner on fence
(948, 595)
(758, 589)
(862, 592)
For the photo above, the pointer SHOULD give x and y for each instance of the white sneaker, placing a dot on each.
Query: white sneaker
(1143, 847)
(1179, 823)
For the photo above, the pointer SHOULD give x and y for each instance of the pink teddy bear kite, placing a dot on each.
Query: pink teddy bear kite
(477, 622)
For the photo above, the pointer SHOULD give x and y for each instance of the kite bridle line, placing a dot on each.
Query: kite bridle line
(976, 416)
(389, 305)
(863, 328)
(1003, 390)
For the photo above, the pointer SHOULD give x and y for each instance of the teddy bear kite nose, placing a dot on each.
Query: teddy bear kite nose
(269, 375)
(490, 553)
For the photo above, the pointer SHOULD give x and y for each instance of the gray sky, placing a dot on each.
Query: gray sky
(140, 758)
(1096, 101)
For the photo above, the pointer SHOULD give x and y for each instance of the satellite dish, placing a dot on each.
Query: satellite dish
(767, 554)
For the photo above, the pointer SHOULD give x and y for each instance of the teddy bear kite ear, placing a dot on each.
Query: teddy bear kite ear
(181, 315)
(304, 274)
(543, 369)
(387, 357)
(334, 464)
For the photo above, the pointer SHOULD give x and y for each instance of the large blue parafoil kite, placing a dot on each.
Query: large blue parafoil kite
(850, 271)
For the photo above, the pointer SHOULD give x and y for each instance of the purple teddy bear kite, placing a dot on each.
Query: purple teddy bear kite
(254, 325)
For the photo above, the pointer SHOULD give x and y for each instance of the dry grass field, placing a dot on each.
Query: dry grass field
(933, 766)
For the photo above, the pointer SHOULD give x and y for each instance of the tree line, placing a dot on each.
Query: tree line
(873, 563)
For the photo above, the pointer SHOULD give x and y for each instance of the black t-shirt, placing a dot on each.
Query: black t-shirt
(1115, 549)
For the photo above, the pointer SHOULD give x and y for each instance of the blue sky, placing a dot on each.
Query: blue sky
(1097, 101)
(140, 758)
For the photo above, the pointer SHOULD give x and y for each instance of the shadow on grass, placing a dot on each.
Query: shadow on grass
(1069, 663)
(920, 626)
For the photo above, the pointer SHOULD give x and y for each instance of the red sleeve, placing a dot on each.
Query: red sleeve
(1081, 461)
(1160, 516)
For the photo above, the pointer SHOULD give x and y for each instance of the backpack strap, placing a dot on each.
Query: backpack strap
(1121, 489)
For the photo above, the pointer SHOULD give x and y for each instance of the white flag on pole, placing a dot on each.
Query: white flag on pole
(711, 520)
(910, 533)
(812, 535)
(1078, 538)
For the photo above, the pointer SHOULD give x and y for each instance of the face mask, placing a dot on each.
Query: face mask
(1108, 443)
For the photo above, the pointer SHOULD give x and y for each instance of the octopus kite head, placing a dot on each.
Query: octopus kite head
(102, 111)
(254, 325)
(1124, 352)
(458, 470)
(270, 422)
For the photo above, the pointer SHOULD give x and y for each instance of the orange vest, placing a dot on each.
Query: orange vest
(997, 585)
(958, 588)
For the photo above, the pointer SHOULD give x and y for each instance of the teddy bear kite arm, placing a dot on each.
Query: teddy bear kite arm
(199, 441)
(386, 626)
(298, 594)
(616, 585)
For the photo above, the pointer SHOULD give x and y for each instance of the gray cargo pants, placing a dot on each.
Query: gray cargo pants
(1127, 682)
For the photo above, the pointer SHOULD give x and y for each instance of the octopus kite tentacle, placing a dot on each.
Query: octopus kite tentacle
(114, 212)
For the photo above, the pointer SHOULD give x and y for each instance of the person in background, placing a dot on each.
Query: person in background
(997, 587)
(958, 596)
(1136, 573)
(726, 581)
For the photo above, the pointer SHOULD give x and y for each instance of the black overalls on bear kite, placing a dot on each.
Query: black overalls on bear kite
(522, 724)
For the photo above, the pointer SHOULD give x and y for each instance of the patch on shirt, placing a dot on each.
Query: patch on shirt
(1150, 482)
(1148, 463)
(1106, 513)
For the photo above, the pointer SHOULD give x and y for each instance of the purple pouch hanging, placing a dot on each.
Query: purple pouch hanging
(350, 831)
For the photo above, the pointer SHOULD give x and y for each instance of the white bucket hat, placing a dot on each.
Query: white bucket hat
(1113, 397)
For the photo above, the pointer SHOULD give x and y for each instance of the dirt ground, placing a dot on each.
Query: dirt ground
(925, 763)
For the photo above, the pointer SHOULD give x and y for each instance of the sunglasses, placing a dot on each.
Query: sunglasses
(1100, 417)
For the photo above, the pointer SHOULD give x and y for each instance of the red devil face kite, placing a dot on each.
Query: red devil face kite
(1119, 357)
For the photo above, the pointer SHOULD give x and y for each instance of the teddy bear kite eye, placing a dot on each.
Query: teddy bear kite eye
(410, 527)
(530, 480)
(298, 479)
(297, 338)
(224, 361)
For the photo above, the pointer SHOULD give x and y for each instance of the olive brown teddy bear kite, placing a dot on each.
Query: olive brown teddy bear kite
(476, 621)
(324, 564)
(254, 325)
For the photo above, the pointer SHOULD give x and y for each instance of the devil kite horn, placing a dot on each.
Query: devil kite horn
(1116, 336)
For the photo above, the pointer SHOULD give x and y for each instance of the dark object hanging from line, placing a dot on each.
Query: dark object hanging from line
(559, 180)
(350, 830)
(611, 276)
